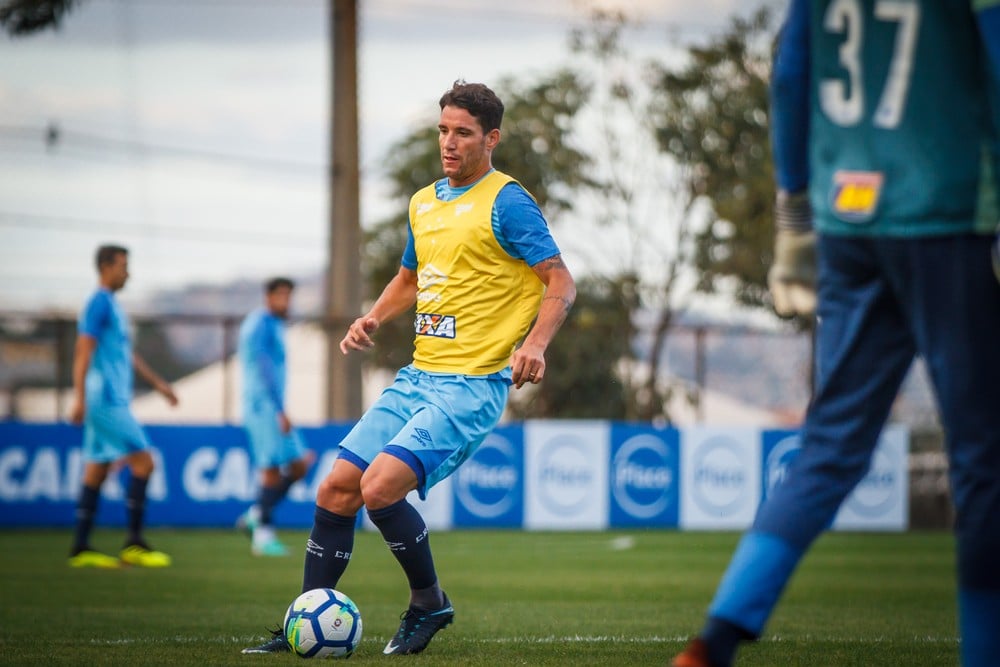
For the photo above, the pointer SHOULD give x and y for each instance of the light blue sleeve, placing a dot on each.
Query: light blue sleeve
(520, 228)
(95, 314)
(261, 340)
(409, 252)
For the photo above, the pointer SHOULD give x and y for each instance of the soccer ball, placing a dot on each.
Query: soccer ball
(323, 623)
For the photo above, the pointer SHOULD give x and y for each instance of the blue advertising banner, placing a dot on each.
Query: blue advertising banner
(489, 487)
(644, 476)
(536, 475)
(778, 449)
(203, 476)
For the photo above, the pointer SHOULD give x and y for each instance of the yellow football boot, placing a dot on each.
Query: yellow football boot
(91, 558)
(141, 556)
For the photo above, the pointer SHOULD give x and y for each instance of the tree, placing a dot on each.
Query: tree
(643, 213)
(712, 118)
(24, 17)
(585, 357)
(696, 134)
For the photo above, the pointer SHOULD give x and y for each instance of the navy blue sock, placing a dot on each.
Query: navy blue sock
(405, 533)
(328, 550)
(722, 639)
(86, 508)
(270, 496)
(135, 507)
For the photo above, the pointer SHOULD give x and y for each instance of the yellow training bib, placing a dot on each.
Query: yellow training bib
(474, 301)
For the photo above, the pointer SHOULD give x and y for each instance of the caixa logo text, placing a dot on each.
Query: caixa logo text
(720, 476)
(53, 474)
(211, 476)
(488, 483)
(642, 476)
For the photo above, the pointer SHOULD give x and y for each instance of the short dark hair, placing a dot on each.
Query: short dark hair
(277, 283)
(106, 254)
(481, 102)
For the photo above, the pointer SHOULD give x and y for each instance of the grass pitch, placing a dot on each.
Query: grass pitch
(616, 598)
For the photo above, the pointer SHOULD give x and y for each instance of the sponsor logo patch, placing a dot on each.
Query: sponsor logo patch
(432, 324)
(855, 195)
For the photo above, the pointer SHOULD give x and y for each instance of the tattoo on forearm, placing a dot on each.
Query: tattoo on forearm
(552, 263)
(567, 304)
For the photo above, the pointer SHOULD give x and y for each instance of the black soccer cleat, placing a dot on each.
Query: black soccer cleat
(276, 644)
(418, 627)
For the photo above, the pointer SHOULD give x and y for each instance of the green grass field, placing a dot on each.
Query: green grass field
(619, 598)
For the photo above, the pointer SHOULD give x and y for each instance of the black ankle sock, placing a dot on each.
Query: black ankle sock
(270, 496)
(429, 599)
(135, 506)
(86, 508)
(722, 638)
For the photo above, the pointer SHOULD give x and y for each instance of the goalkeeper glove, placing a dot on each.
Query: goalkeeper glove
(792, 277)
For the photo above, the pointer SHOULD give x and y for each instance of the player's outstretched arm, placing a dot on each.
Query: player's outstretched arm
(150, 376)
(396, 298)
(528, 361)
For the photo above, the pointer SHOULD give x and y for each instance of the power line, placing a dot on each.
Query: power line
(33, 221)
(54, 136)
(539, 13)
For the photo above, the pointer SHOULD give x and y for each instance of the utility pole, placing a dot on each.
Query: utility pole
(343, 276)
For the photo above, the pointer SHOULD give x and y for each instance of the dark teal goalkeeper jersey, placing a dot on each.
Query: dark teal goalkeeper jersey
(890, 71)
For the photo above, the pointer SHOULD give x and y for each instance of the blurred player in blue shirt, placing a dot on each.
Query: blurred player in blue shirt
(884, 135)
(102, 391)
(278, 451)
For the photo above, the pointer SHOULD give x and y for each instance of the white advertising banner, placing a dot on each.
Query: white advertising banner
(436, 510)
(720, 477)
(880, 501)
(566, 475)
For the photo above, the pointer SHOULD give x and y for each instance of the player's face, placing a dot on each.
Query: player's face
(279, 301)
(465, 148)
(115, 275)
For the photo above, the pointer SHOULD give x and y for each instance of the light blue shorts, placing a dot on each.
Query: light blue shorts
(431, 421)
(111, 432)
(269, 446)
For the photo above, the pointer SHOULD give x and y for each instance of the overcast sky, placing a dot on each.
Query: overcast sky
(195, 131)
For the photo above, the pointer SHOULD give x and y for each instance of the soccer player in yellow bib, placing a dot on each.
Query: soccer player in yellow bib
(480, 265)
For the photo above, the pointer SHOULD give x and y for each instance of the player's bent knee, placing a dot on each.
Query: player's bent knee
(298, 469)
(378, 494)
(339, 496)
(142, 464)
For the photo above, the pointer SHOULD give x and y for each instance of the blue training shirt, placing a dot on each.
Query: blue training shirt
(109, 377)
(262, 358)
(517, 222)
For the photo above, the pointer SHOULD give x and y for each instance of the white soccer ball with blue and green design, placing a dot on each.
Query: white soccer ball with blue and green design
(323, 623)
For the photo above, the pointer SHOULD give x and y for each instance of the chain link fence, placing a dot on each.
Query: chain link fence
(714, 375)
